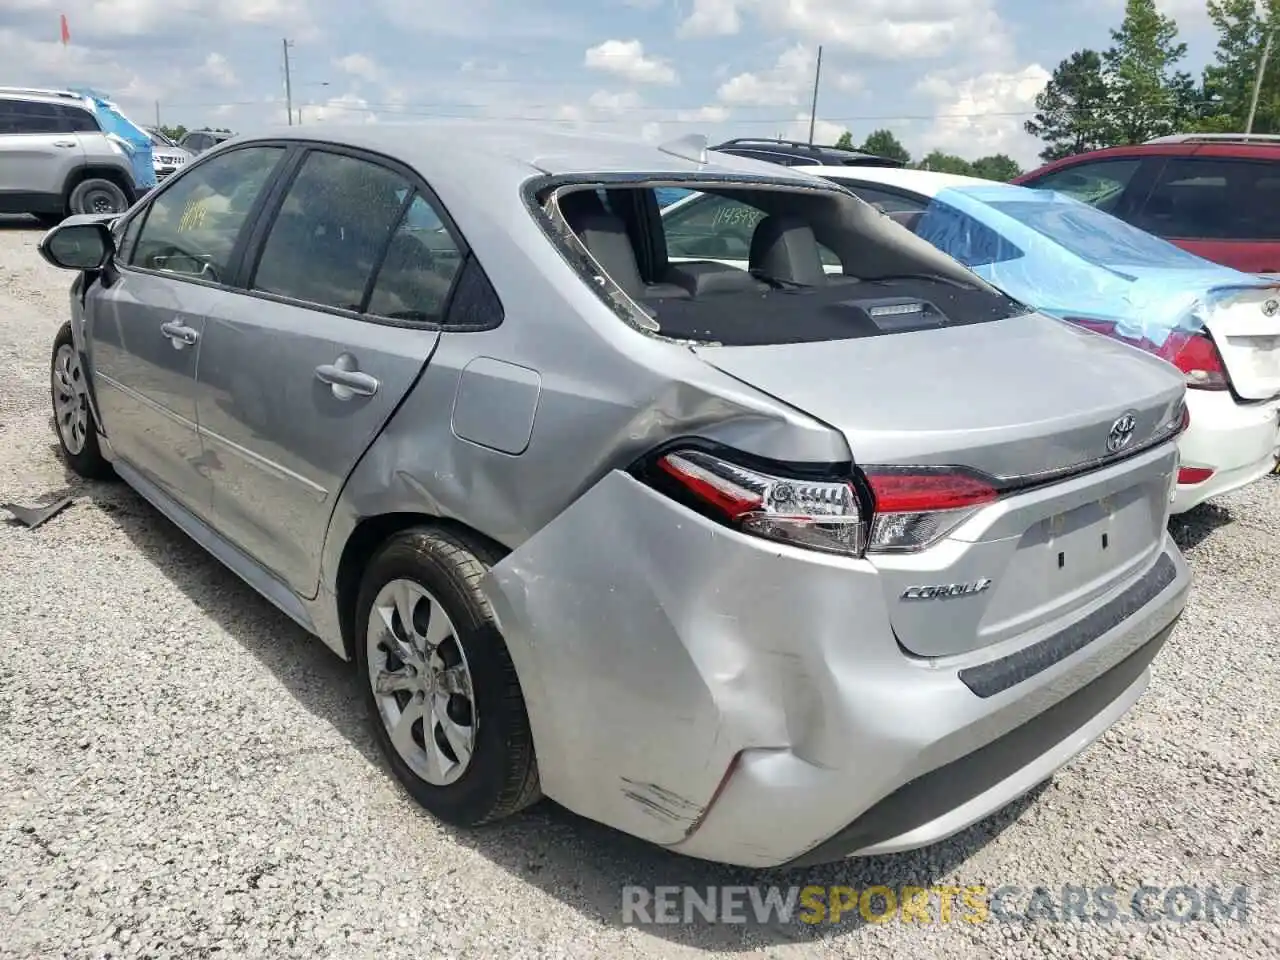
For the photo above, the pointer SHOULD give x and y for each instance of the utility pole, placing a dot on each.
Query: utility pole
(288, 86)
(1257, 82)
(813, 113)
(157, 114)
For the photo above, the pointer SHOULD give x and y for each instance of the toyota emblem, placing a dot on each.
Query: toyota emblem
(1271, 308)
(1121, 434)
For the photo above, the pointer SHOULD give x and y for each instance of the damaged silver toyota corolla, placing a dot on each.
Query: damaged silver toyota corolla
(767, 566)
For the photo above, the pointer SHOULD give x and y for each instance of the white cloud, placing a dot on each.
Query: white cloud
(983, 114)
(881, 29)
(824, 131)
(713, 18)
(607, 102)
(781, 85)
(347, 108)
(217, 71)
(359, 66)
(626, 58)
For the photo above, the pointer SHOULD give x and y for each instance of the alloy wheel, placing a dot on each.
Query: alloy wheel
(70, 399)
(421, 682)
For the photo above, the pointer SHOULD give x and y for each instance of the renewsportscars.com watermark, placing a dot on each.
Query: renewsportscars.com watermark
(768, 905)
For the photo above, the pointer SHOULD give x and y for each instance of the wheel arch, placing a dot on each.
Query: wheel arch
(369, 534)
(103, 171)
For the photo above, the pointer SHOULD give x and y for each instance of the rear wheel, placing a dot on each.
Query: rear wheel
(97, 195)
(73, 417)
(442, 692)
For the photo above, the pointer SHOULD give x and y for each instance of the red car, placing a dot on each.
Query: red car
(1216, 195)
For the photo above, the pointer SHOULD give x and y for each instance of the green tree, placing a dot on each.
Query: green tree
(884, 144)
(1229, 80)
(940, 162)
(1072, 110)
(846, 141)
(173, 133)
(1149, 97)
(998, 166)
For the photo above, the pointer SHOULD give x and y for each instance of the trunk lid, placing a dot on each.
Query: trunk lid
(1015, 398)
(1245, 324)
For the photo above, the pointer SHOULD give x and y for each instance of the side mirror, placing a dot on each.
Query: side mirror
(78, 246)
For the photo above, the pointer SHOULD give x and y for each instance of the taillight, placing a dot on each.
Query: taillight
(912, 507)
(1195, 354)
(916, 507)
(819, 514)
(1198, 358)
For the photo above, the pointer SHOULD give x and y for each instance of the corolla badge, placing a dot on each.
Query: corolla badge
(943, 591)
(1121, 433)
(1271, 308)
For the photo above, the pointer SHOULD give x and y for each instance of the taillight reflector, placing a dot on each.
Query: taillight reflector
(1195, 354)
(1190, 476)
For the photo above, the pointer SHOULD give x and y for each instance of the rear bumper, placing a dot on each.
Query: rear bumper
(1239, 442)
(944, 767)
(743, 701)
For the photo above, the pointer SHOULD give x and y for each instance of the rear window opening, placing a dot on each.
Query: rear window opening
(742, 263)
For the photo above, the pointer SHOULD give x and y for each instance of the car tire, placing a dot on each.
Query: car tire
(428, 572)
(96, 195)
(74, 423)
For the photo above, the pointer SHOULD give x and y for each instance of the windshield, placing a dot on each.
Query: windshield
(1091, 234)
(159, 139)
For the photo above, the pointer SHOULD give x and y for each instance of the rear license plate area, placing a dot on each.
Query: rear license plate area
(1087, 543)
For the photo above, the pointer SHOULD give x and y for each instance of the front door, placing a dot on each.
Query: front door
(299, 373)
(146, 328)
(38, 152)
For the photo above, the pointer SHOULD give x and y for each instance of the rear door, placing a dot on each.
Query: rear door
(1222, 208)
(338, 313)
(37, 148)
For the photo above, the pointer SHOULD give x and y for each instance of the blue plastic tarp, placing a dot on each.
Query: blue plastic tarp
(131, 137)
(1066, 258)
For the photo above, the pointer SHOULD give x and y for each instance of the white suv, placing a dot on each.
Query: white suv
(55, 158)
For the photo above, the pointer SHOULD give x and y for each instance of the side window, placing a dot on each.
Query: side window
(1099, 184)
(1213, 199)
(332, 229)
(191, 228)
(76, 120)
(713, 228)
(29, 116)
(717, 228)
(963, 238)
(886, 202)
(422, 261)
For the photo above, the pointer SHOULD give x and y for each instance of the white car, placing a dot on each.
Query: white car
(1220, 327)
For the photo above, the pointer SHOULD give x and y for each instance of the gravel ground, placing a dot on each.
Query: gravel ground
(184, 773)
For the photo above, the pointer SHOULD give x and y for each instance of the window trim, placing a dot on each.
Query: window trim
(235, 264)
(266, 218)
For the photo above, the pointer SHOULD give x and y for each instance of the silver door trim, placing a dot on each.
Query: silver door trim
(318, 492)
(146, 401)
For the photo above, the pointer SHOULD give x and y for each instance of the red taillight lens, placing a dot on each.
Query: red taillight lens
(819, 514)
(1190, 476)
(1198, 358)
(916, 508)
(1193, 353)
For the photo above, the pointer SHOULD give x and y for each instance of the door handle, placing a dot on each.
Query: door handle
(65, 143)
(179, 334)
(345, 379)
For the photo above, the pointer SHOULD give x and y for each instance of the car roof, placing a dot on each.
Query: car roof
(43, 95)
(477, 151)
(928, 183)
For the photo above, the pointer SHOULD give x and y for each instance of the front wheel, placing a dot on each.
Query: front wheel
(443, 696)
(73, 416)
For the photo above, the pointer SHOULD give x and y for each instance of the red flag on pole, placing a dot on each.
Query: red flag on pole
(66, 32)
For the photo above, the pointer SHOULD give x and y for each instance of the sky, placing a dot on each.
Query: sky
(956, 75)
